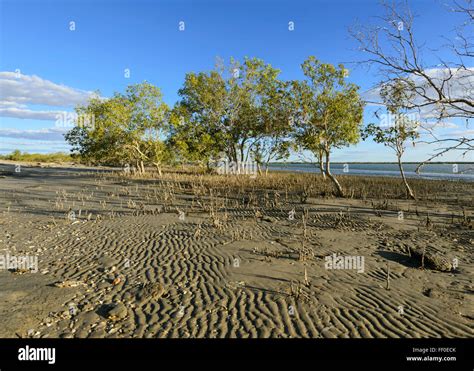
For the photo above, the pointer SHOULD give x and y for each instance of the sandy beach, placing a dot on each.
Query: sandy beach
(187, 255)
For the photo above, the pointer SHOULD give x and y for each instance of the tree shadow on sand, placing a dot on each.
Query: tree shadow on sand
(402, 259)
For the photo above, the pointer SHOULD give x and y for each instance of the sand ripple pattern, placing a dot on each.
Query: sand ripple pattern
(204, 298)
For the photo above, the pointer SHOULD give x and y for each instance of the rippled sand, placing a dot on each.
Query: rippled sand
(125, 264)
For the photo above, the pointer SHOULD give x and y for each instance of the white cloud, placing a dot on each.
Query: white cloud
(460, 85)
(48, 134)
(460, 134)
(25, 113)
(442, 124)
(17, 91)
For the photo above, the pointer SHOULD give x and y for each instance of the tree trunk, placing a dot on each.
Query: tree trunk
(158, 168)
(321, 164)
(409, 191)
(321, 168)
(234, 157)
(340, 191)
(142, 167)
(208, 166)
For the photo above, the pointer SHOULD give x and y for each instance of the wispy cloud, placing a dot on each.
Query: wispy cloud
(457, 83)
(18, 92)
(460, 134)
(49, 134)
(25, 113)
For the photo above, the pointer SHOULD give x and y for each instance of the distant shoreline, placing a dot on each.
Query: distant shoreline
(463, 171)
(363, 163)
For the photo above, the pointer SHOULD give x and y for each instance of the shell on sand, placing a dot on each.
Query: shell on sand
(70, 283)
(149, 291)
(117, 312)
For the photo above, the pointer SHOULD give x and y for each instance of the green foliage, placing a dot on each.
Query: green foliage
(328, 110)
(195, 121)
(127, 128)
(240, 110)
(17, 155)
(237, 110)
(396, 96)
(395, 136)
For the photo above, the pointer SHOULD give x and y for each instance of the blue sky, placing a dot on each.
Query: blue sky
(59, 65)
